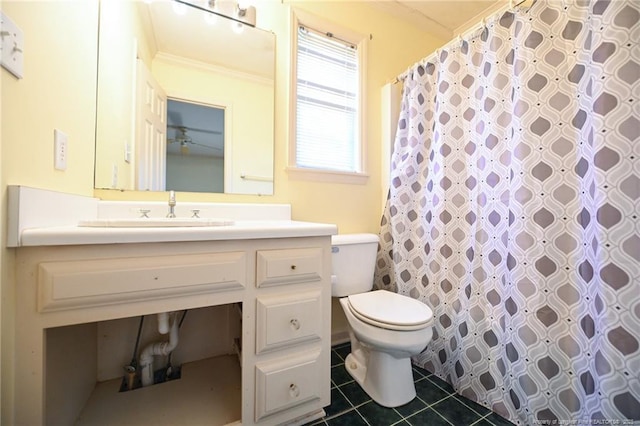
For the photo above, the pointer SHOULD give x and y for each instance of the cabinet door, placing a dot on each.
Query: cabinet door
(80, 284)
(285, 383)
(283, 320)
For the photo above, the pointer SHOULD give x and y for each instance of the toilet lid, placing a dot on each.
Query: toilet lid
(390, 310)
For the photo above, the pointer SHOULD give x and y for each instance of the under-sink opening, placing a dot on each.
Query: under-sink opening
(85, 368)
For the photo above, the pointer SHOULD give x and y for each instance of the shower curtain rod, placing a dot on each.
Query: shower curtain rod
(510, 6)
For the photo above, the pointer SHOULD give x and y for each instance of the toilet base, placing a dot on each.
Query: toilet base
(386, 379)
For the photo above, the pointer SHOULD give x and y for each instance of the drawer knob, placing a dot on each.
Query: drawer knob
(295, 324)
(293, 390)
(293, 267)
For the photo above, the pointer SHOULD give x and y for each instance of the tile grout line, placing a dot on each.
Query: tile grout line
(439, 401)
(433, 403)
(482, 417)
(363, 417)
(461, 401)
(400, 414)
(421, 376)
(353, 407)
(471, 408)
(425, 409)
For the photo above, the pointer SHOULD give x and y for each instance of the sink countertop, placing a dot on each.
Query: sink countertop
(38, 217)
(248, 229)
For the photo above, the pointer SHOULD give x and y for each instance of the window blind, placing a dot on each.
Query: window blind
(327, 86)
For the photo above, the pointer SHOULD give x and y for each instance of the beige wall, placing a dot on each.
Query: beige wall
(58, 91)
(122, 40)
(243, 100)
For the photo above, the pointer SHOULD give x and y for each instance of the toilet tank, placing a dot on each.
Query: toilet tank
(353, 258)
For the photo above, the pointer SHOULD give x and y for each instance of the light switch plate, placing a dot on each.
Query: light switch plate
(12, 46)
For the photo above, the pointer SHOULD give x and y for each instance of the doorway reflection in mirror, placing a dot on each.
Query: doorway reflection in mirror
(195, 147)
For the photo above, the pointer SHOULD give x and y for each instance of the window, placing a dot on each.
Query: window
(327, 101)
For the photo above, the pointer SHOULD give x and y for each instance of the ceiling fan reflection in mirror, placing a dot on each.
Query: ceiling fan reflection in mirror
(184, 141)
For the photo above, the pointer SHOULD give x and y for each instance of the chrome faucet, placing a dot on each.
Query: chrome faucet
(172, 204)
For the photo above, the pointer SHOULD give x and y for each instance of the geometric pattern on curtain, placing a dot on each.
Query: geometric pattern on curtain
(513, 211)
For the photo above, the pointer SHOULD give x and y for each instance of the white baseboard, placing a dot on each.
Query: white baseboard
(339, 337)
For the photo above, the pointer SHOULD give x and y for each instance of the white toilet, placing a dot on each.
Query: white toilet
(386, 328)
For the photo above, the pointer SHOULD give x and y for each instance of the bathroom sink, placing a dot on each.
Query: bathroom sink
(154, 222)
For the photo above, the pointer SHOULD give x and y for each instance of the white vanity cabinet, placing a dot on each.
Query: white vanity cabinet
(281, 284)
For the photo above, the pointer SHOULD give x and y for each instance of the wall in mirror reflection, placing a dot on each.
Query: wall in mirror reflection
(191, 62)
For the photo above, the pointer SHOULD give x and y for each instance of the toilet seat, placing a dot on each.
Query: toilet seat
(389, 310)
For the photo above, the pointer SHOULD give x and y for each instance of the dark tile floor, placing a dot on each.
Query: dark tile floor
(436, 404)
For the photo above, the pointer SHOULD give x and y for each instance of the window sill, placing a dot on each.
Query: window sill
(331, 176)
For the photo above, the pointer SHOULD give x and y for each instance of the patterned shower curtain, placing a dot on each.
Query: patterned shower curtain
(513, 212)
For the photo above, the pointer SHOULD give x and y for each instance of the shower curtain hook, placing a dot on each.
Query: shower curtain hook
(406, 74)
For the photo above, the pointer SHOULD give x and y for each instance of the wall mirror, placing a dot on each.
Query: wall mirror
(185, 100)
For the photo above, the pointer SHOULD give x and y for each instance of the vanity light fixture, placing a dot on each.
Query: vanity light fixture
(246, 13)
(241, 12)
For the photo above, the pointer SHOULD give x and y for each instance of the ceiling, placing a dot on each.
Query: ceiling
(190, 35)
(443, 18)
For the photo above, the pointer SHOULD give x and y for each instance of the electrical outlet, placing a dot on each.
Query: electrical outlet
(59, 150)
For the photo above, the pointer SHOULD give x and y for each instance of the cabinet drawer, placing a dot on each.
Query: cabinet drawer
(276, 267)
(89, 283)
(288, 319)
(282, 384)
